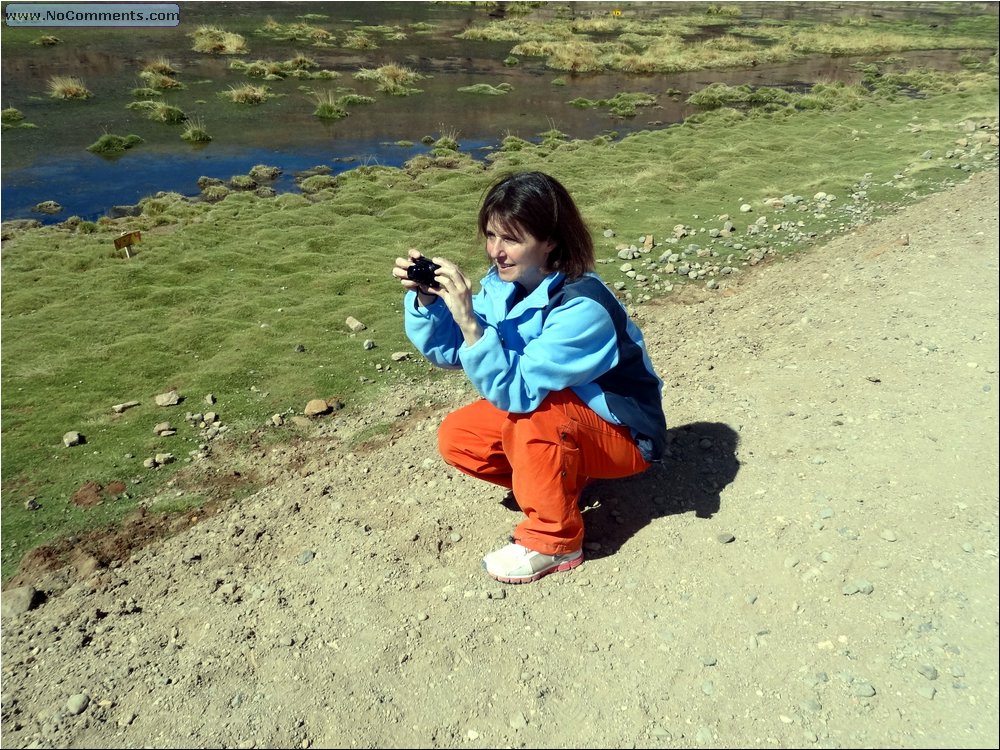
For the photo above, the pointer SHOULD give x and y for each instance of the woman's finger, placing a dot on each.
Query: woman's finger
(445, 263)
(449, 270)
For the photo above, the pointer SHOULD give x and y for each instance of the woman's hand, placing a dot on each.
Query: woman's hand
(454, 289)
(425, 295)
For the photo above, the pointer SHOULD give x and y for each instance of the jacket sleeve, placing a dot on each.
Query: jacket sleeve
(433, 330)
(577, 345)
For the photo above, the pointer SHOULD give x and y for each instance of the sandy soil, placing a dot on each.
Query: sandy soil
(815, 563)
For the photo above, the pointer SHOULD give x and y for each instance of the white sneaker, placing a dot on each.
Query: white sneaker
(517, 564)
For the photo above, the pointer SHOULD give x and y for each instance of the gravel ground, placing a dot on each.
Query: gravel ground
(814, 564)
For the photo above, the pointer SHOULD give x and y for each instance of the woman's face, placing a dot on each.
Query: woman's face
(517, 255)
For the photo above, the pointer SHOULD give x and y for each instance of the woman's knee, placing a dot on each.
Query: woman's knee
(449, 438)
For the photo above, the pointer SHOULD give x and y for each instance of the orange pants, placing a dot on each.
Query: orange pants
(546, 457)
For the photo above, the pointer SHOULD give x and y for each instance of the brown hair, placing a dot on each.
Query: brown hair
(539, 204)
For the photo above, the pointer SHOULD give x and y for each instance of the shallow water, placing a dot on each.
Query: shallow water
(51, 161)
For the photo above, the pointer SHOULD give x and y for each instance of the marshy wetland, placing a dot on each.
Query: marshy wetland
(298, 86)
(244, 296)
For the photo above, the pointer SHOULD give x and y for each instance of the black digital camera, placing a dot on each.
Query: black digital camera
(422, 271)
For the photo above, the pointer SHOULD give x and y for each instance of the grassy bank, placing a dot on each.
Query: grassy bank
(247, 298)
(719, 38)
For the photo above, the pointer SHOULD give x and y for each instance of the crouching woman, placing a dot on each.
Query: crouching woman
(568, 390)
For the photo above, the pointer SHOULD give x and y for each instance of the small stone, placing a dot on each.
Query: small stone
(355, 325)
(726, 537)
(858, 587)
(170, 398)
(928, 671)
(863, 690)
(77, 703)
(19, 600)
(73, 438)
(316, 407)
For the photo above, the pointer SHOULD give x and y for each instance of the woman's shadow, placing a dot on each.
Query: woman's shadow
(699, 462)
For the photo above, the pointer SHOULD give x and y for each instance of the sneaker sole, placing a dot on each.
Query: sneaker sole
(560, 568)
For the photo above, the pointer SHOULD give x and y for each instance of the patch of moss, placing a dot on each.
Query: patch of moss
(14, 118)
(195, 133)
(114, 144)
(486, 89)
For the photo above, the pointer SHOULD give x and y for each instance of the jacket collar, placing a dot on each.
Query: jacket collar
(502, 291)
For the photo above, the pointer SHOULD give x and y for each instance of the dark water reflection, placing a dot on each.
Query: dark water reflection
(51, 161)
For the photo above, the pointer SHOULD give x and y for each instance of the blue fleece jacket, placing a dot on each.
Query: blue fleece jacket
(564, 334)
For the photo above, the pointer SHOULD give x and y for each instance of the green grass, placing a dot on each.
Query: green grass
(195, 132)
(110, 144)
(160, 111)
(673, 44)
(213, 40)
(622, 104)
(296, 32)
(218, 296)
(485, 89)
(160, 81)
(328, 107)
(68, 87)
(11, 117)
(271, 70)
(247, 94)
(160, 66)
(391, 79)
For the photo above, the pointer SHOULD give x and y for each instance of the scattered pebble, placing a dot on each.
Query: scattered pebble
(858, 587)
(928, 671)
(77, 703)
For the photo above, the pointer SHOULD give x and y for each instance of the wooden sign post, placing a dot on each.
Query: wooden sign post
(126, 241)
